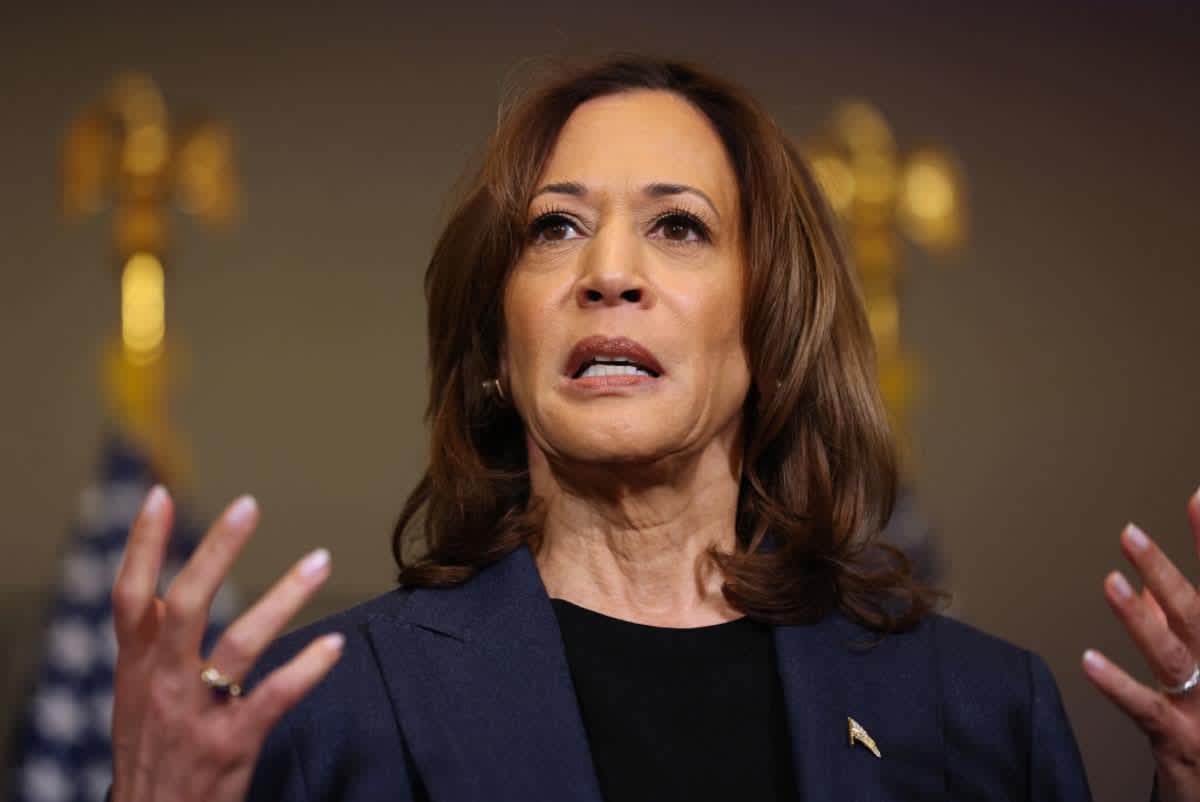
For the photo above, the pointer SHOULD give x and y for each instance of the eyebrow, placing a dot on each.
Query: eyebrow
(655, 190)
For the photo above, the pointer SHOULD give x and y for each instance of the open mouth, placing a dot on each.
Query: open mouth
(612, 366)
(620, 358)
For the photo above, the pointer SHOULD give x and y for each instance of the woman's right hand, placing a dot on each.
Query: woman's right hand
(173, 737)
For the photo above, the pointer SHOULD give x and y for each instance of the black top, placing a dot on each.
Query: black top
(693, 714)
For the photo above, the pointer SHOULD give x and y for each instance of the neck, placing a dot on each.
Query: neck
(633, 543)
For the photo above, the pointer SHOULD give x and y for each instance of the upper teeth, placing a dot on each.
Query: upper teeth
(613, 369)
(604, 365)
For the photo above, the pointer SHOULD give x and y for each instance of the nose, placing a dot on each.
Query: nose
(612, 274)
(609, 292)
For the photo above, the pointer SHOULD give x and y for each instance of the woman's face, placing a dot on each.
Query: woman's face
(623, 314)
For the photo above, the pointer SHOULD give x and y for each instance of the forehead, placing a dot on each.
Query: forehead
(626, 140)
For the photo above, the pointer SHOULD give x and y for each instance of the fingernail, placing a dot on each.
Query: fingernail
(1135, 537)
(334, 642)
(1120, 585)
(155, 500)
(241, 511)
(314, 562)
(1093, 659)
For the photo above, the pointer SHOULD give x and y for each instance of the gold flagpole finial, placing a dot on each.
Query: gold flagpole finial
(884, 194)
(123, 151)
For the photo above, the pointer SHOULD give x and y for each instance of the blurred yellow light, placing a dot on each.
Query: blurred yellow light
(932, 205)
(876, 176)
(203, 167)
(883, 316)
(929, 191)
(862, 127)
(137, 100)
(836, 179)
(146, 150)
(143, 315)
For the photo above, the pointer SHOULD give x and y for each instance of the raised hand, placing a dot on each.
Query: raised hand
(175, 735)
(1164, 622)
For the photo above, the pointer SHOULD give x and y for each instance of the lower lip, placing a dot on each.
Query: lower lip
(594, 384)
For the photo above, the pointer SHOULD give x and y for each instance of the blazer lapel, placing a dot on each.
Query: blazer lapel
(831, 674)
(479, 683)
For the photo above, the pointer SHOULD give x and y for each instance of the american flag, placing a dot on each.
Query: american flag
(62, 750)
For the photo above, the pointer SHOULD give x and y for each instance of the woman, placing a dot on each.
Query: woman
(645, 559)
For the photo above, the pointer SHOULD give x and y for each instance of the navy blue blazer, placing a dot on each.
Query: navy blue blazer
(464, 694)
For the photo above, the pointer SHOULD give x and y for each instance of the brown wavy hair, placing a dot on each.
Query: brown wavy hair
(819, 470)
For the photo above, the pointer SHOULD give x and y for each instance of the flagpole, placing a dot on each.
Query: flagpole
(882, 195)
(120, 152)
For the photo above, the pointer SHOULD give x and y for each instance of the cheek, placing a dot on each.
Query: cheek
(518, 330)
(529, 324)
(729, 370)
(715, 319)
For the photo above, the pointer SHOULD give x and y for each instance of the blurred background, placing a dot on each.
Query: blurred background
(1057, 393)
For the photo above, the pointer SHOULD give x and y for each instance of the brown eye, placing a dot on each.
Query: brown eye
(552, 227)
(676, 230)
(682, 227)
(555, 231)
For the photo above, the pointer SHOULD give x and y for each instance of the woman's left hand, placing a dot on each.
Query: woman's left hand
(1164, 621)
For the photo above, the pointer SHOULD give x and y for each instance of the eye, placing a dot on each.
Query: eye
(552, 227)
(682, 226)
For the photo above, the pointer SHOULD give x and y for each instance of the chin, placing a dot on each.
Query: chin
(624, 446)
(619, 432)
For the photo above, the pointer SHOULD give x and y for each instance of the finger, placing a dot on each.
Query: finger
(1150, 710)
(137, 579)
(1175, 594)
(246, 638)
(286, 685)
(192, 591)
(1155, 608)
(1169, 658)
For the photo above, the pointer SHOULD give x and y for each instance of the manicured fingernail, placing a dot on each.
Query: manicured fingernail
(334, 642)
(155, 500)
(1120, 585)
(314, 562)
(1135, 537)
(1093, 659)
(242, 511)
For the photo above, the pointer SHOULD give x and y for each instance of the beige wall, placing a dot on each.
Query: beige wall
(1061, 348)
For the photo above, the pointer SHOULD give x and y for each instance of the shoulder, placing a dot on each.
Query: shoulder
(993, 692)
(352, 623)
(999, 715)
(975, 664)
(973, 668)
(954, 649)
(973, 661)
(971, 680)
(341, 741)
(989, 683)
(355, 685)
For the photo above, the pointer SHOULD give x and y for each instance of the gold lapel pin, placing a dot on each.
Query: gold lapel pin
(857, 733)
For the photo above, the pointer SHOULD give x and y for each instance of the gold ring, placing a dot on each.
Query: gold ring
(221, 685)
